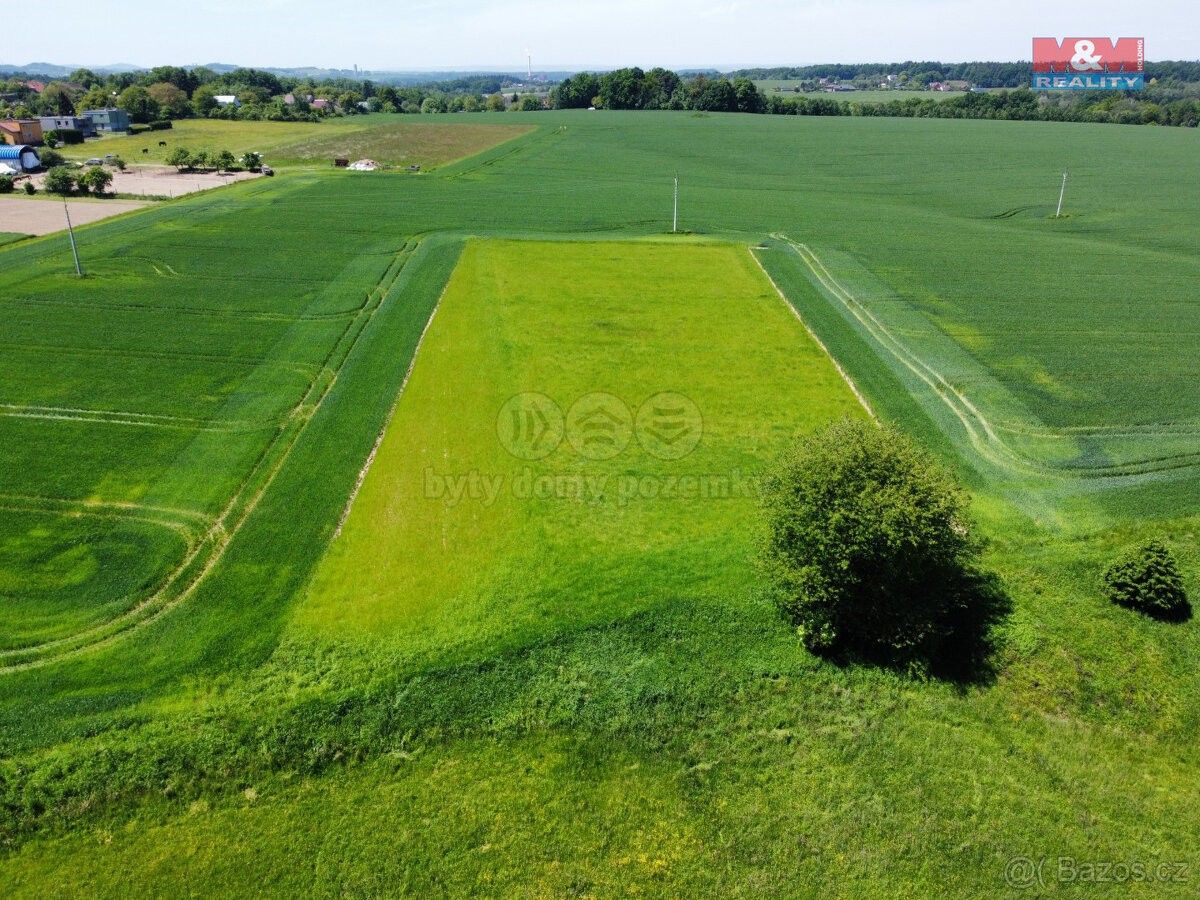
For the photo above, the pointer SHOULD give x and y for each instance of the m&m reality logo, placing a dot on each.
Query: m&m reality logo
(1089, 64)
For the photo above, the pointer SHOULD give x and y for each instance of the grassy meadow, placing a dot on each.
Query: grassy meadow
(493, 548)
(389, 140)
(216, 681)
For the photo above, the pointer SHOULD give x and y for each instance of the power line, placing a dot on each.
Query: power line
(71, 233)
(1062, 193)
(675, 216)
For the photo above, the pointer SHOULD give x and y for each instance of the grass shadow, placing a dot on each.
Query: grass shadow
(964, 646)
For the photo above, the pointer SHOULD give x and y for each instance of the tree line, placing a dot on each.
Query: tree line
(657, 88)
(633, 88)
(980, 74)
(174, 92)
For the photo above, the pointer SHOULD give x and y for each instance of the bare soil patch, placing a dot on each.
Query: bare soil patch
(35, 216)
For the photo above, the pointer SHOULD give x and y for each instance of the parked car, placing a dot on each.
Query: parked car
(94, 161)
(267, 170)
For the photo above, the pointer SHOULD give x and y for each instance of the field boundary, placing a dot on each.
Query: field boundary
(366, 467)
(983, 431)
(812, 334)
(197, 564)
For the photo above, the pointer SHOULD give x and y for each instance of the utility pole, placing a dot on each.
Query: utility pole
(675, 216)
(1062, 193)
(71, 233)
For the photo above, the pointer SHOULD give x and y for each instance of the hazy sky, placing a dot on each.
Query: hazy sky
(423, 34)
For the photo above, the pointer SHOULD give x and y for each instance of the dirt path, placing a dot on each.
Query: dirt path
(28, 216)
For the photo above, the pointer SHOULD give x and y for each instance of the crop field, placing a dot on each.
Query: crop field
(389, 140)
(399, 144)
(306, 586)
(9, 237)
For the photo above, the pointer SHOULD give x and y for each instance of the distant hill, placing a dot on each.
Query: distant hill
(54, 70)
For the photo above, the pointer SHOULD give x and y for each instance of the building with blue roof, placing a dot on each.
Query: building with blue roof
(18, 158)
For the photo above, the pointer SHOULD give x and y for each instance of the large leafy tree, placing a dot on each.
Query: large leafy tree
(204, 99)
(659, 85)
(85, 77)
(748, 98)
(576, 92)
(622, 89)
(96, 98)
(184, 79)
(57, 101)
(172, 101)
(136, 101)
(870, 551)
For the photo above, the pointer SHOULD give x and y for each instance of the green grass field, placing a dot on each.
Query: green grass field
(206, 691)
(9, 237)
(569, 320)
(389, 140)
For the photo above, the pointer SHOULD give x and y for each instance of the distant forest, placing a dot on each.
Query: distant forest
(979, 74)
(1170, 102)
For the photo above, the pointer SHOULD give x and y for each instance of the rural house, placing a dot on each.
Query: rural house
(20, 131)
(82, 124)
(108, 119)
(227, 100)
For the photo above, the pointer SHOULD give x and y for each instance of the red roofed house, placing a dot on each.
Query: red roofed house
(36, 86)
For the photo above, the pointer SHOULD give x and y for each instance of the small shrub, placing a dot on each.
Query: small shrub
(50, 158)
(161, 125)
(6, 184)
(180, 158)
(60, 180)
(138, 129)
(30, 188)
(1147, 579)
(95, 179)
(870, 552)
